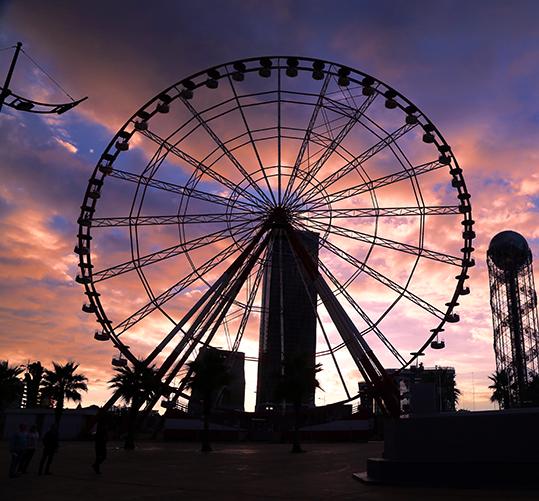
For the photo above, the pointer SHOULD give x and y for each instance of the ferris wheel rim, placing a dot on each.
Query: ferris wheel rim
(110, 154)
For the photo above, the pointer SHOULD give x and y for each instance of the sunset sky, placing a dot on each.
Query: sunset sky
(471, 67)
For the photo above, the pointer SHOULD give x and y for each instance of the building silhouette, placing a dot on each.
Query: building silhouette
(289, 330)
(514, 314)
(232, 396)
(423, 390)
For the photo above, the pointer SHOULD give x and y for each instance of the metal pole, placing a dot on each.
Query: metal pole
(5, 89)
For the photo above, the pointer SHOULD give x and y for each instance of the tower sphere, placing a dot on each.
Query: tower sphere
(509, 250)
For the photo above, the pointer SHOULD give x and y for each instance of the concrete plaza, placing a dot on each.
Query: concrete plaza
(163, 471)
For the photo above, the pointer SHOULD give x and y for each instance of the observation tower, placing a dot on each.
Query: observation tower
(514, 313)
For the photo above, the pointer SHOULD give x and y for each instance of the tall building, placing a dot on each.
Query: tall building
(232, 396)
(288, 320)
(514, 315)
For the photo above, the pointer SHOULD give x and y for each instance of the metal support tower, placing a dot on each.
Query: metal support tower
(514, 314)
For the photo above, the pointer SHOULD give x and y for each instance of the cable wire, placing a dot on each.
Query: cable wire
(47, 74)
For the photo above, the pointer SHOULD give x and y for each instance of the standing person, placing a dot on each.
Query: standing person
(32, 438)
(100, 444)
(50, 446)
(17, 446)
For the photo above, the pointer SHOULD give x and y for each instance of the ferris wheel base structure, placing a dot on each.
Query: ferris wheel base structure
(473, 449)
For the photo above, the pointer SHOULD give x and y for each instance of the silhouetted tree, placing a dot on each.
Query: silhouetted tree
(531, 396)
(33, 378)
(136, 384)
(297, 382)
(62, 383)
(10, 385)
(501, 386)
(208, 374)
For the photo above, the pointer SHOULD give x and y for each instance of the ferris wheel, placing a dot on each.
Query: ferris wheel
(181, 216)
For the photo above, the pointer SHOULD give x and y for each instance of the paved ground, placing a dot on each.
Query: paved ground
(163, 471)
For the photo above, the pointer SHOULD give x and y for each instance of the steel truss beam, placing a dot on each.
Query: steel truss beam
(210, 314)
(200, 167)
(178, 189)
(232, 217)
(375, 184)
(229, 154)
(369, 366)
(402, 291)
(163, 254)
(433, 210)
(312, 172)
(389, 244)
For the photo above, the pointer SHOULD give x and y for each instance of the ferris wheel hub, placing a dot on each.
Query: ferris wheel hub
(280, 216)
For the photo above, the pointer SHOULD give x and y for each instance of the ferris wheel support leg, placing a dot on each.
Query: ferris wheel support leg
(216, 292)
(367, 363)
(222, 303)
(208, 298)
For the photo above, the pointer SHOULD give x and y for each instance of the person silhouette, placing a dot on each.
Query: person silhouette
(50, 446)
(100, 440)
(32, 438)
(17, 446)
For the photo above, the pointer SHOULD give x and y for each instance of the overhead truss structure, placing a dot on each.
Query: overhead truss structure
(21, 103)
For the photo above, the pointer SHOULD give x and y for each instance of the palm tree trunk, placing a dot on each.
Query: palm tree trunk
(296, 447)
(58, 410)
(206, 447)
(131, 425)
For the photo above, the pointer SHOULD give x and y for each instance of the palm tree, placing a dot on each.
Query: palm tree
(297, 382)
(532, 391)
(62, 383)
(501, 386)
(10, 384)
(207, 375)
(32, 379)
(136, 384)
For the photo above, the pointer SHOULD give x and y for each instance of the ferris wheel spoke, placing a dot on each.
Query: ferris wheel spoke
(175, 289)
(389, 244)
(360, 159)
(179, 189)
(432, 210)
(215, 308)
(161, 255)
(251, 138)
(198, 165)
(317, 166)
(371, 326)
(264, 198)
(231, 217)
(380, 182)
(307, 136)
(402, 291)
(203, 307)
(250, 301)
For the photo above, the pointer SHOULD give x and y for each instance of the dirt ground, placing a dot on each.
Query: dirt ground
(162, 471)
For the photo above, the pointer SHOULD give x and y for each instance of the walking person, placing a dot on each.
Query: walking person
(100, 444)
(17, 446)
(50, 446)
(32, 439)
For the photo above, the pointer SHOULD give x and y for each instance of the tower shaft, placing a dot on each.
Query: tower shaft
(288, 320)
